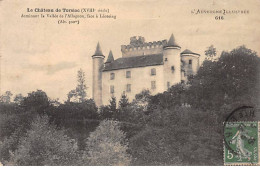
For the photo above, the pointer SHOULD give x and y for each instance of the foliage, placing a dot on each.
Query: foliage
(210, 52)
(107, 145)
(6, 98)
(142, 99)
(18, 99)
(79, 119)
(173, 97)
(180, 136)
(9, 144)
(227, 81)
(123, 102)
(79, 94)
(44, 144)
(13, 124)
(37, 101)
(131, 117)
(109, 111)
(112, 105)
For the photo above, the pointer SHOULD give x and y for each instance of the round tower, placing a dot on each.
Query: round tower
(172, 63)
(190, 62)
(98, 65)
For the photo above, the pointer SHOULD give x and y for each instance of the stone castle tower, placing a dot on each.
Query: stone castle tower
(155, 66)
(172, 63)
(98, 64)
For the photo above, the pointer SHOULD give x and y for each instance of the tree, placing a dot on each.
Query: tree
(44, 144)
(55, 102)
(9, 144)
(6, 98)
(37, 101)
(81, 88)
(79, 119)
(70, 95)
(18, 99)
(16, 119)
(211, 52)
(14, 122)
(154, 147)
(233, 78)
(142, 99)
(171, 133)
(107, 145)
(79, 93)
(123, 102)
(112, 105)
(109, 111)
(175, 96)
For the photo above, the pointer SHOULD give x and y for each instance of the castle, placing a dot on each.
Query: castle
(155, 66)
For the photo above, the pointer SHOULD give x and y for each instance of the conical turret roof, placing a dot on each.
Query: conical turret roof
(110, 57)
(98, 51)
(187, 51)
(172, 42)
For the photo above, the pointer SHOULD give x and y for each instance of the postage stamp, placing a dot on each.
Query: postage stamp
(241, 143)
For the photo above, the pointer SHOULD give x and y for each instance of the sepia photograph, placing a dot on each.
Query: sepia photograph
(129, 83)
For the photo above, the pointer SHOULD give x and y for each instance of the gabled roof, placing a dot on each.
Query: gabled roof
(134, 62)
(187, 51)
(172, 42)
(110, 57)
(98, 51)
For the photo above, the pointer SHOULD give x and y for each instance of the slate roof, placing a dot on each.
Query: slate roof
(187, 51)
(134, 62)
(98, 51)
(172, 42)
(110, 57)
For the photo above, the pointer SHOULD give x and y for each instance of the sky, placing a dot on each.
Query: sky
(41, 54)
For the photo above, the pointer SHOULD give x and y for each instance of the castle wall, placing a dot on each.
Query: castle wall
(138, 51)
(98, 62)
(140, 79)
(142, 48)
(172, 67)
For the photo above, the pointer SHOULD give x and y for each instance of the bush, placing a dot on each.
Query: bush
(107, 145)
(45, 145)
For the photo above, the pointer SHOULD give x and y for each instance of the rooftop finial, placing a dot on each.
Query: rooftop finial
(110, 57)
(98, 51)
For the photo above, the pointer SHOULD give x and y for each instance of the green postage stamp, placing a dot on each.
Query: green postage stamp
(241, 143)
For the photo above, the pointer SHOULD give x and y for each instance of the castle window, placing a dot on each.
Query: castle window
(128, 88)
(128, 74)
(168, 85)
(112, 89)
(165, 59)
(153, 84)
(153, 72)
(112, 76)
(172, 68)
(182, 63)
(190, 62)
